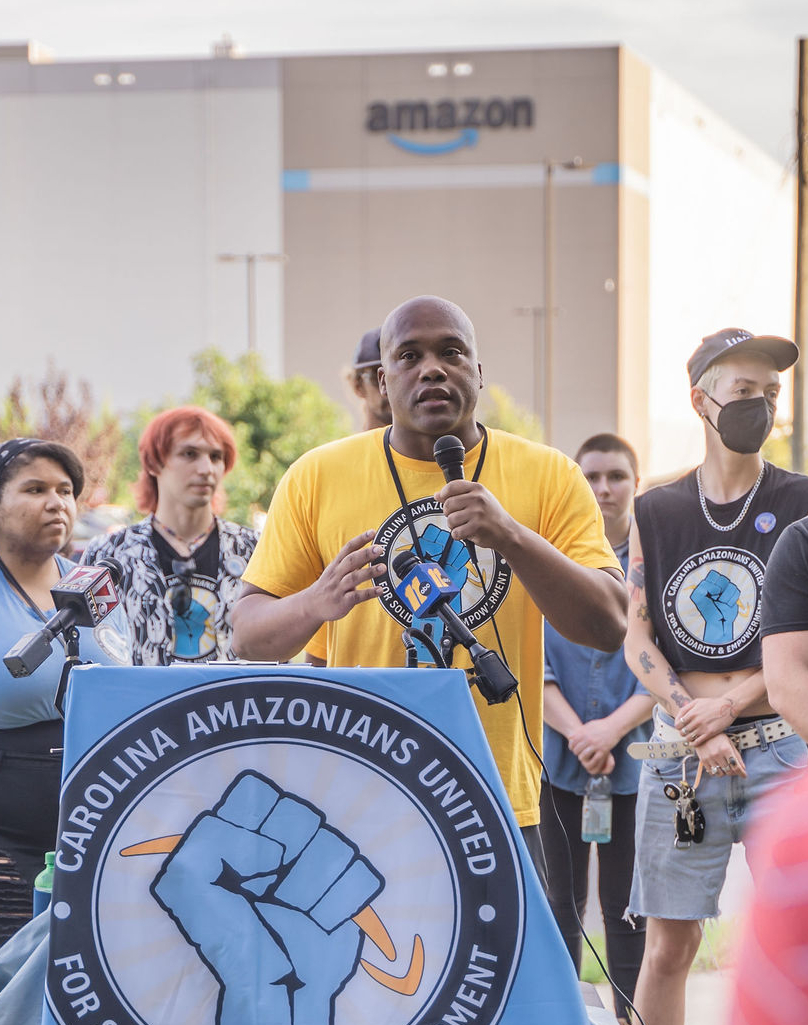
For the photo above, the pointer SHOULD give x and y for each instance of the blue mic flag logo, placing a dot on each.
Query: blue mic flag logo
(424, 587)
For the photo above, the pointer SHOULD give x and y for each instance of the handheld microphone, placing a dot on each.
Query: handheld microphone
(449, 454)
(83, 597)
(426, 589)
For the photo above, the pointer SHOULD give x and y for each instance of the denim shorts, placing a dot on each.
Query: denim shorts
(684, 883)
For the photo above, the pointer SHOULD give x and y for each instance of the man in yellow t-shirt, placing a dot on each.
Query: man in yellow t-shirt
(345, 510)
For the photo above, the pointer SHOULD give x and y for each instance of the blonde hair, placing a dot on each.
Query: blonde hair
(709, 378)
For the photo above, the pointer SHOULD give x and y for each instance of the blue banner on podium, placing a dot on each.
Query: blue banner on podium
(285, 845)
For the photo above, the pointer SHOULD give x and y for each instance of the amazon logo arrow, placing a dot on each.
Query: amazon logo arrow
(467, 137)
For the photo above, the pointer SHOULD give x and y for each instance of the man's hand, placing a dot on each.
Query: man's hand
(265, 891)
(266, 626)
(716, 598)
(343, 583)
(592, 743)
(474, 514)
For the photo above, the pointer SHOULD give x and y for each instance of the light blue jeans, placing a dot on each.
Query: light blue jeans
(684, 882)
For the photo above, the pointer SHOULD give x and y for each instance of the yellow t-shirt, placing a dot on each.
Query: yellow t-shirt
(337, 491)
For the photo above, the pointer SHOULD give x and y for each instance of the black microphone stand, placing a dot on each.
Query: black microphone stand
(493, 678)
(72, 658)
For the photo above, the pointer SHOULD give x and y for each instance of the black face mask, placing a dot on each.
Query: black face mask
(744, 424)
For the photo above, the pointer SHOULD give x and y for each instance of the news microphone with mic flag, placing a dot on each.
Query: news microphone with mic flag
(425, 589)
(83, 597)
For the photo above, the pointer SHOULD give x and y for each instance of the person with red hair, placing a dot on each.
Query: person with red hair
(182, 563)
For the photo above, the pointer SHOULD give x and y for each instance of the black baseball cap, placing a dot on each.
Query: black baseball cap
(783, 352)
(368, 352)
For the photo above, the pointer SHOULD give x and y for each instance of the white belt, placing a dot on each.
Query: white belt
(671, 744)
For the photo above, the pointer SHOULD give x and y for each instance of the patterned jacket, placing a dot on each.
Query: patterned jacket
(143, 586)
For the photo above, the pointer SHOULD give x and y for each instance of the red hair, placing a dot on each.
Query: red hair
(158, 438)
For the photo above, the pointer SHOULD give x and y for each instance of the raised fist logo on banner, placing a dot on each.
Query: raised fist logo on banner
(263, 881)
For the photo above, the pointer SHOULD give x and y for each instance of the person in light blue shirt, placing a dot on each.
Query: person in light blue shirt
(594, 707)
(39, 484)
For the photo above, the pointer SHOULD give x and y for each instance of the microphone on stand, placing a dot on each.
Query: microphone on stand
(83, 597)
(449, 454)
(425, 589)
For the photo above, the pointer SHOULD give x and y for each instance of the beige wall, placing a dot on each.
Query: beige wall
(378, 224)
(115, 204)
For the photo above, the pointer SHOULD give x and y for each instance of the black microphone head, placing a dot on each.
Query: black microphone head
(449, 455)
(115, 569)
(404, 562)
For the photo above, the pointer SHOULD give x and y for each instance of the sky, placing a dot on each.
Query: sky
(737, 56)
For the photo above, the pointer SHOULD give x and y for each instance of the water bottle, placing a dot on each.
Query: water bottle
(43, 884)
(596, 820)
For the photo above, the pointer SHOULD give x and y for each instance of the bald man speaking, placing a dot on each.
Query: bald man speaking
(520, 537)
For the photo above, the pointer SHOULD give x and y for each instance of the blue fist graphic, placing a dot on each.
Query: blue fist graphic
(716, 598)
(265, 891)
(434, 542)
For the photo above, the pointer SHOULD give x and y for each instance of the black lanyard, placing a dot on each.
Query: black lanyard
(402, 498)
(29, 601)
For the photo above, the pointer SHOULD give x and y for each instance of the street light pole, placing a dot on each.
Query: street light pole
(543, 346)
(801, 290)
(249, 261)
(536, 313)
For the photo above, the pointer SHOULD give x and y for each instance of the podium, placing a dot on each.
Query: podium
(289, 845)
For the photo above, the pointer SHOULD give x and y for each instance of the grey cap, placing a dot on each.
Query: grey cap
(368, 353)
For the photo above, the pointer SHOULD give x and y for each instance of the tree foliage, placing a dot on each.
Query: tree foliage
(777, 447)
(275, 422)
(498, 409)
(50, 409)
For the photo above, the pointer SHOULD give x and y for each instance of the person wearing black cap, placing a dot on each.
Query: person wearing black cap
(364, 379)
(697, 554)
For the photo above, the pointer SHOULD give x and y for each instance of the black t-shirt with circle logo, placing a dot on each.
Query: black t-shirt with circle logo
(191, 592)
(704, 585)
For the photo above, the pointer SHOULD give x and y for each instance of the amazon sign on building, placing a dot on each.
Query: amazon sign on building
(593, 219)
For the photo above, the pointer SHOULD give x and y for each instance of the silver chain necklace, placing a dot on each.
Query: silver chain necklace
(741, 514)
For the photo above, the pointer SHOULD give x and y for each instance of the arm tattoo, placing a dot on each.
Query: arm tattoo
(636, 577)
(643, 613)
(673, 679)
(679, 700)
(645, 661)
(728, 708)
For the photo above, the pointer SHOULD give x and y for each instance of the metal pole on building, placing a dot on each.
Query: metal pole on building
(801, 285)
(249, 261)
(535, 313)
(546, 363)
(548, 350)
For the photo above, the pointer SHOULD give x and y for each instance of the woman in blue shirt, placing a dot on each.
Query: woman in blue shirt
(593, 709)
(39, 484)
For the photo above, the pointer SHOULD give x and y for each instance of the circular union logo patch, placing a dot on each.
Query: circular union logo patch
(481, 592)
(712, 601)
(280, 849)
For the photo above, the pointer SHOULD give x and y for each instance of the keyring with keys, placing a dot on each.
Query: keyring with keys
(688, 818)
